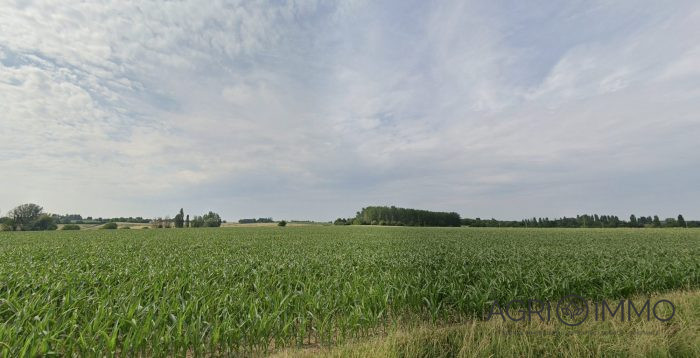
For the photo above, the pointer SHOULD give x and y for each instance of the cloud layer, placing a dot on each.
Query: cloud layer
(313, 109)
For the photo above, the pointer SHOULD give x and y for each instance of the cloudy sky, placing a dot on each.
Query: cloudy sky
(314, 109)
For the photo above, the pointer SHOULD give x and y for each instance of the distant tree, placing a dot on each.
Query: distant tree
(670, 222)
(340, 221)
(681, 221)
(282, 223)
(24, 216)
(197, 221)
(180, 219)
(633, 221)
(187, 221)
(44, 222)
(7, 224)
(212, 219)
(656, 222)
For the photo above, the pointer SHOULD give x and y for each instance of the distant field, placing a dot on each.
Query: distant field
(256, 289)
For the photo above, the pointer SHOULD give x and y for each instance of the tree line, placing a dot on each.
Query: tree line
(256, 221)
(585, 221)
(27, 217)
(79, 219)
(32, 217)
(391, 215)
(210, 219)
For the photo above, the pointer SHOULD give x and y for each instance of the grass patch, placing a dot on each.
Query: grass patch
(679, 337)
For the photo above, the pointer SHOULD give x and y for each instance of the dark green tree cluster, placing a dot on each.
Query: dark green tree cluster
(180, 219)
(584, 221)
(27, 217)
(68, 219)
(210, 219)
(391, 215)
(341, 221)
(254, 221)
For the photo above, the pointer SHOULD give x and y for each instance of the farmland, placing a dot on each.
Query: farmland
(192, 291)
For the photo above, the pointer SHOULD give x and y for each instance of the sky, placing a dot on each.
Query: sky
(315, 109)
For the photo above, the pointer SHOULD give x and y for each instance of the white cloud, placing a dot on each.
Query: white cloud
(315, 108)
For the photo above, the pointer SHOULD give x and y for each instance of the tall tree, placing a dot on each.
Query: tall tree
(681, 221)
(180, 219)
(25, 215)
(656, 222)
(187, 221)
(212, 219)
(633, 221)
(44, 222)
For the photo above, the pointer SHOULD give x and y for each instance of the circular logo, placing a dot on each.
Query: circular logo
(572, 310)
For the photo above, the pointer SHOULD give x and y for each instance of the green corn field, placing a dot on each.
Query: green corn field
(242, 290)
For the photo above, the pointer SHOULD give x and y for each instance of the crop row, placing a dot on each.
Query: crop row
(176, 292)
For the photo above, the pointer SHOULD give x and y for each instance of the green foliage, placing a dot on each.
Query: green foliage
(25, 216)
(582, 221)
(180, 219)
(7, 224)
(44, 222)
(197, 221)
(254, 221)
(109, 226)
(230, 292)
(70, 227)
(282, 223)
(211, 219)
(384, 215)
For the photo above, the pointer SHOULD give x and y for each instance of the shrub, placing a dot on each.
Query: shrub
(197, 221)
(212, 219)
(109, 226)
(125, 228)
(7, 224)
(70, 227)
(26, 217)
(282, 223)
(44, 222)
(145, 228)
